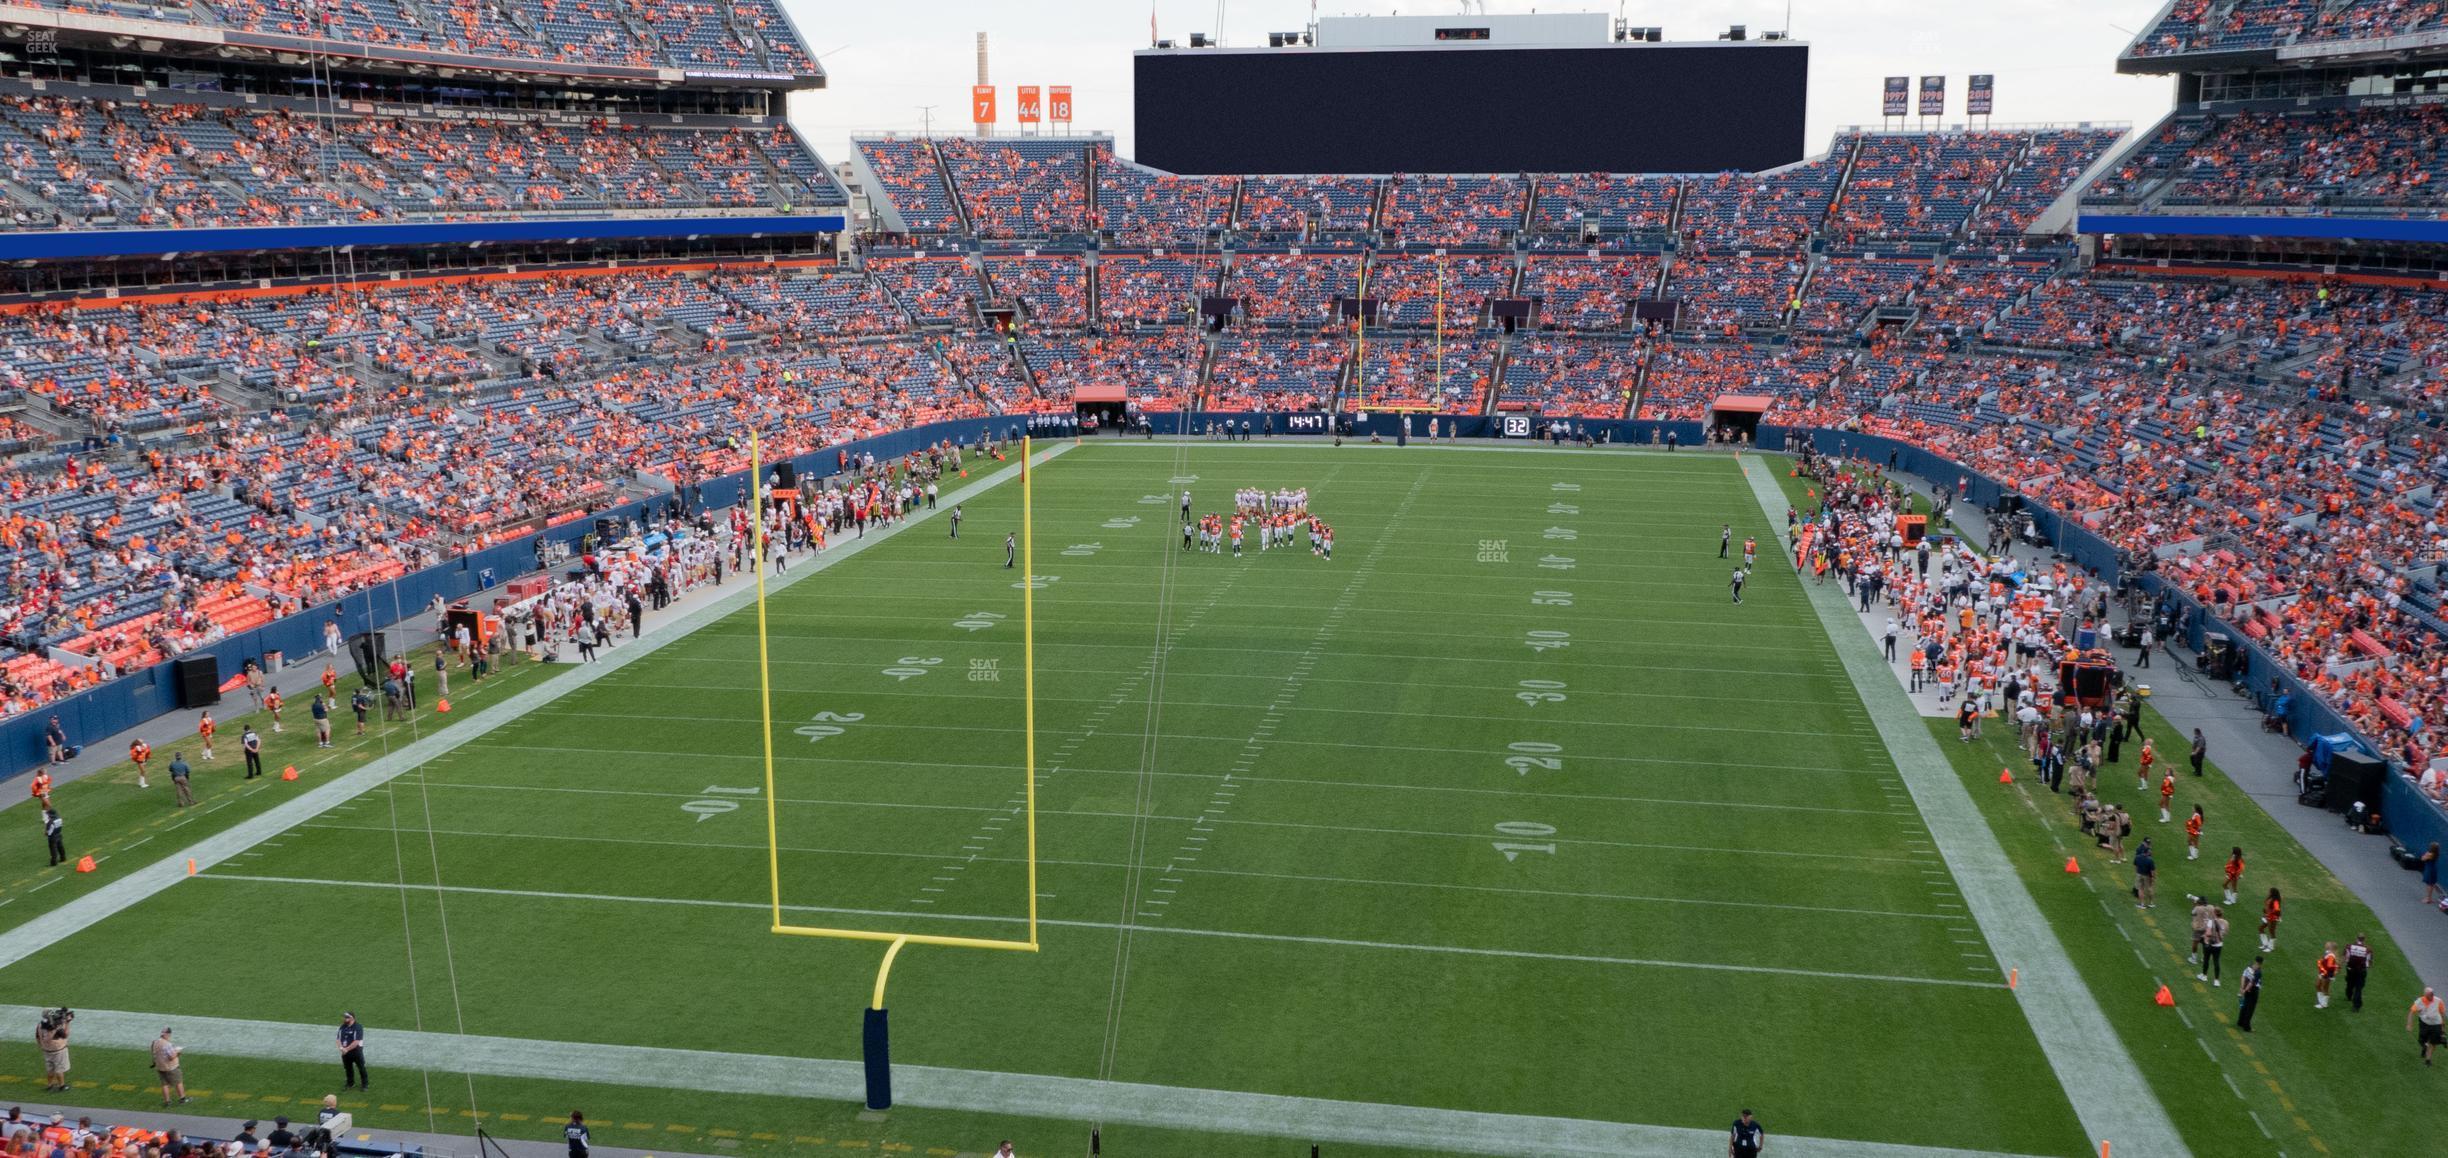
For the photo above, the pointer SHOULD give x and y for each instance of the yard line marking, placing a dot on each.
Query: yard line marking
(2107, 1090)
(1263, 875)
(981, 1091)
(128, 889)
(1226, 934)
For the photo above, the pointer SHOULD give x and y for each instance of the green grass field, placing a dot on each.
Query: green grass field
(1505, 808)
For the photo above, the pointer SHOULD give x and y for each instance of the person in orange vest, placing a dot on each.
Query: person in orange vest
(2167, 796)
(139, 752)
(272, 704)
(204, 733)
(2150, 756)
(2269, 922)
(2193, 831)
(42, 786)
(2326, 969)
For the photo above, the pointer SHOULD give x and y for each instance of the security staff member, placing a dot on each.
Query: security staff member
(352, 1053)
(55, 831)
(2358, 970)
(252, 744)
(1748, 1140)
(576, 1134)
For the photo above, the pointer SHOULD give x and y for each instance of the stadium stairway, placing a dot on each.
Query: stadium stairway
(951, 188)
(1844, 184)
(1496, 374)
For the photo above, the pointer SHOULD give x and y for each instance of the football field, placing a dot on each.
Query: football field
(1506, 808)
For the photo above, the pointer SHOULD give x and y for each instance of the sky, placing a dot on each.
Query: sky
(2054, 59)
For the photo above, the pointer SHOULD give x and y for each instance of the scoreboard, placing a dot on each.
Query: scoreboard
(1461, 106)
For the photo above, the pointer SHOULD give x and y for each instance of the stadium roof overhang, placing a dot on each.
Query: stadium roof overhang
(113, 33)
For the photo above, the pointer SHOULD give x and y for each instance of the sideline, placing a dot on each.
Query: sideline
(58, 925)
(2108, 1093)
(979, 1091)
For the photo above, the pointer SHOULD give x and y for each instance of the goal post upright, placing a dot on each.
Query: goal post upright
(876, 1045)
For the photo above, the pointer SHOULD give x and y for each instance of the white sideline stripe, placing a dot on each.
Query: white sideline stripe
(76, 916)
(977, 1091)
(2108, 1092)
(1282, 938)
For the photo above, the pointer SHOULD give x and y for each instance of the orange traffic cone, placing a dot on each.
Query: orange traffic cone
(442, 706)
(289, 773)
(2005, 776)
(964, 472)
(2164, 997)
(85, 864)
(2073, 865)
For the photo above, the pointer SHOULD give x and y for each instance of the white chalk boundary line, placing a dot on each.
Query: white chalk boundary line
(139, 884)
(979, 1091)
(2108, 1092)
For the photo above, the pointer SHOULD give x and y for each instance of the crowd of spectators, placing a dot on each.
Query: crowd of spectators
(1619, 206)
(1053, 290)
(1728, 295)
(1019, 188)
(1577, 378)
(1685, 377)
(1262, 371)
(1142, 207)
(1298, 208)
(1467, 212)
(1417, 291)
(2202, 25)
(1411, 370)
(2386, 158)
(1146, 288)
(87, 164)
(1843, 290)
(1282, 288)
(635, 33)
(1588, 293)
(1159, 369)
(937, 291)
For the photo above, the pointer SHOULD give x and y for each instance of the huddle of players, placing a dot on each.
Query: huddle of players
(1280, 516)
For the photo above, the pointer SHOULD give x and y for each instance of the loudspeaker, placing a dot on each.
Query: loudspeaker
(2218, 656)
(199, 681)
(369, 651)
(2354, 776)
(786, 477)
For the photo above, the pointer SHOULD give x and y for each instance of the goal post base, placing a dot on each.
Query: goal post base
(877, 1051)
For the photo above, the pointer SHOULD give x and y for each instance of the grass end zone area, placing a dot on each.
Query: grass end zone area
(1508, 807)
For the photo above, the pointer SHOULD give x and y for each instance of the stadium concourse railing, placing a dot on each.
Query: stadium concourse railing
(140, 696)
